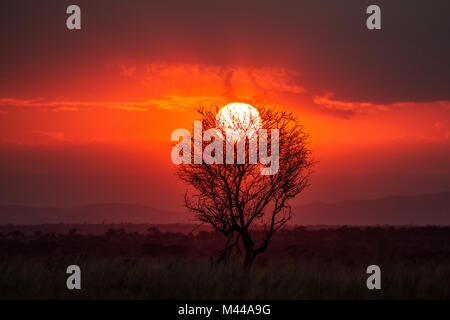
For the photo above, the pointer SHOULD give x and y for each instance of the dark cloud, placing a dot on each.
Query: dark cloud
(325, 41)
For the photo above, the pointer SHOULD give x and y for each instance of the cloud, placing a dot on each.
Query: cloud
(166, 102)
(328, 43)
(442, 129)
(127, 71)
(128, 108)
(230, 80)
(346, 109)
(438, 125)
(56, 105)
(56, 136)
(172, 102)
(67, 105)
(65, 109)
(179, 86)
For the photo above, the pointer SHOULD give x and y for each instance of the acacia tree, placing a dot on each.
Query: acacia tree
(235, 198)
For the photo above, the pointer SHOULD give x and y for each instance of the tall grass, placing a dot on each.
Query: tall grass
(153, 278)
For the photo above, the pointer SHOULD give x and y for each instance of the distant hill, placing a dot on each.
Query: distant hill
(428, 209)
(96, 213)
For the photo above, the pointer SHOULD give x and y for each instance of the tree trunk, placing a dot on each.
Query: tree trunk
(249, 252)
(249, 258)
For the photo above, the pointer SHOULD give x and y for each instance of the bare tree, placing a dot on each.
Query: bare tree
(236, 199)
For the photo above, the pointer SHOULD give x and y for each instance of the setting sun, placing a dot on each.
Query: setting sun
(235, 117)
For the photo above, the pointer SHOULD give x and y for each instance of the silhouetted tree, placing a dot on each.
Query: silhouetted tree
(236, 199)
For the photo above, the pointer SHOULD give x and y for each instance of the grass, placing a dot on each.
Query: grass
(163, 278)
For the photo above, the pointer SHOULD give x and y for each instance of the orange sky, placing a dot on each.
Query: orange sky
(97, 107)
(146, 102)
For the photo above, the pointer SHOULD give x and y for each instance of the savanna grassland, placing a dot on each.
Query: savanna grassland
(144, 262)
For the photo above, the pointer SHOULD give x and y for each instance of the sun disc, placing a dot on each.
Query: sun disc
(238, 119)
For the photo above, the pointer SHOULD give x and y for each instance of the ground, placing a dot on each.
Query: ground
(301, 263)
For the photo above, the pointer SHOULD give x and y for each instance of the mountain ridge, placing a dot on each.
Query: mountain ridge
(425, 209)
(432, 208)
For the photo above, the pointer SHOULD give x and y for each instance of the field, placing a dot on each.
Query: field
(146, 262)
